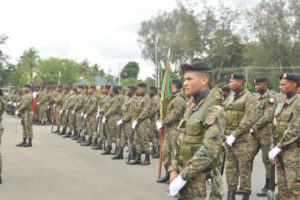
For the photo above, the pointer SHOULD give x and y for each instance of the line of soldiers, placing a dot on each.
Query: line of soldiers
(200, 128)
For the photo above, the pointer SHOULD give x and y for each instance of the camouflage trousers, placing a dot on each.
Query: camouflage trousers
(238, 164)
(58, 116)
(141, 137)
(170, 138)
(78, 121)
(126, 132)
(70, 121)
(289, 177)
(197, 188)
(64, 120)
(1, 133)
(263, 140)
(102, 130)
(91, 125)
(153, 131)
(27, 124)
(112, 129)
(43, 112)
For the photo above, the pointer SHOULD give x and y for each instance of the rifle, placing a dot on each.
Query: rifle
(271, 195)
(223, 163)
(74, 121)
(53, 117)
(119, 136)
(160, 152)
(104, 137)
(130, 147)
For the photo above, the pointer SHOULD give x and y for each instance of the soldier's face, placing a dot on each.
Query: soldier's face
(261, 87)
(287, 87)
(111, 92)
(236, 85)
(194, 83)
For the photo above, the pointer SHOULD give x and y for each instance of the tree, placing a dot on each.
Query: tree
(130, 70)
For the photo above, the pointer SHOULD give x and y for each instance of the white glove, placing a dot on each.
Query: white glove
(60, 112)
(48, 107)
(15, 105)
(176, 185)
(17, 112)
(158, 125)
(103, 119)
(230, 140)
(81, 115)
(73, 112)
(273, 153)
(18, 103)
(85, 116)
(37, 103)
(98, 115)
(34, 94)
(53, 105)
(251, 130)
(67, 111)
(120, 122)
(134, 123)
(9, 103)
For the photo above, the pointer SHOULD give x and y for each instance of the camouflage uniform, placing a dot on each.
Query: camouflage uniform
(127, 115)
(64, 115)
(70, 115)
(113, 114)
(153, 118)
(25, 109)
(198, 147)
(241, 111)
(91, 112)
(263, 128)
(141, 115)
(78, 108)
(104, 106)
(217, 94)
(287, 138)
(43, 104)
(174, 114)
(59, 96)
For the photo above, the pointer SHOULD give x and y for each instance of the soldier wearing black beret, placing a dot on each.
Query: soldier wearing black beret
(196, 154)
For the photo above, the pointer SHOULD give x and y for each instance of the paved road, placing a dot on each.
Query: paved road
(57, 168)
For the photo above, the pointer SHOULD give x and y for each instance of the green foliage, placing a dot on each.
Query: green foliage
(130, 70)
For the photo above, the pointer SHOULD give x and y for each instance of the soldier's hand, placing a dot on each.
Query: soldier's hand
(173, 175)
(17, 113)
(273, 153)
(158, 125)
(230, 140)
(177, 184)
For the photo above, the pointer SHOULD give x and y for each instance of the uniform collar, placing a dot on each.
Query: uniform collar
(240, 92)
(198, 97)
(291, 99)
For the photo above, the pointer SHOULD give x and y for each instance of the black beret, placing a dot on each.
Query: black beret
(153, 88)
(237, 76)
(226, 88)
(60, 86)
(260, 79)
(131, 87)
(86, 87)
(74, 89)
(107, 86)
(290, 77)
(37, 86)
(199, 66)
(27, 86)
(80, 86)
(93, 87)
(142, 85)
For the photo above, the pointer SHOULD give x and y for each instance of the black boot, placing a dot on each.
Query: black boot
(107, 151)
(29, 144)
(153, 151)
(81, 139)
(75, 135)
(264, 191)
(115, 151)
(99, 146)
(119, 154)
(95, 142)
(137, 160)
(57, 130)
(63, 132)
(164, 179)
(22, 144)
(157, 154)
(87, 143)
(147, 160)
(0, 177)
(245, 197)
(69, 134)
(231, 195)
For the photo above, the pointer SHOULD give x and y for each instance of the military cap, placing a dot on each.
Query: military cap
(107, 86)
(226, 88)
(260, 79)
(27, 86)
(238, 76)
(86, 87)
(142, 85)
(80, 86)
(93, 87)
(291, 77)
(131, 87)
(199, 66)
(153, 88)
(37, 86)
(74, 89)
(59, 86)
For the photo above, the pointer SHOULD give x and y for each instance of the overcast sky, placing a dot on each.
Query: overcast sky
(104, 32)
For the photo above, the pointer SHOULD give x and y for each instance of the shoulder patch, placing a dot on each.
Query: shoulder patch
(271, 100)
(210, 120)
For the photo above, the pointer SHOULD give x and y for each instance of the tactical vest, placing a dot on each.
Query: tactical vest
(236, 110)
(283, 118)
(192, 133)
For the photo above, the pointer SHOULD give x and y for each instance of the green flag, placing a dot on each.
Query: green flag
(166, 90)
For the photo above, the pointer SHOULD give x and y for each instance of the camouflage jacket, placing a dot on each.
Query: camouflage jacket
(92, 105)
(43, 97)
(141, 111)
(26, 103)
(72, 102)
(217, 94)
(175, 110)
(105, 105)
(128, 108)
(66, 101)
(154, 108)
(79, 102)
(267, 104)
(114, 107)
